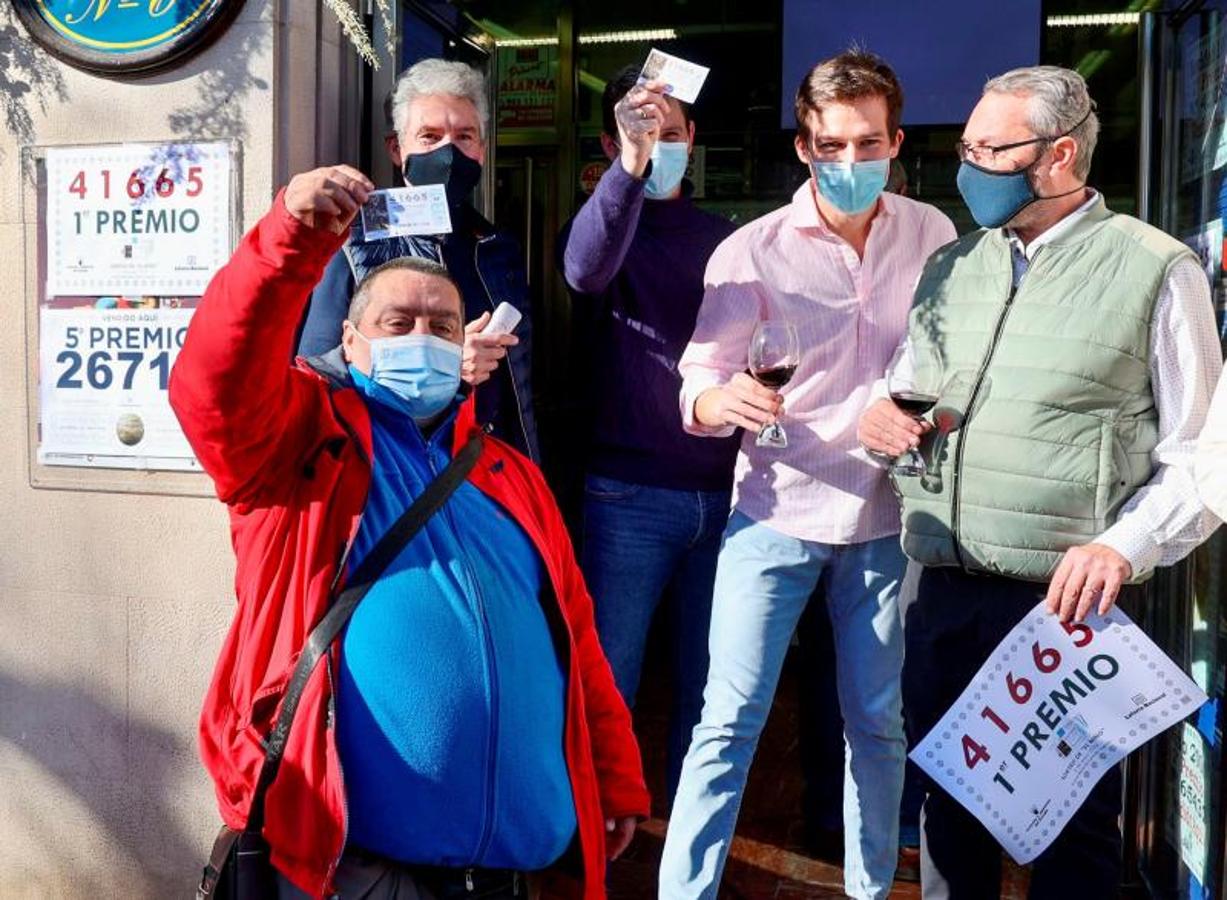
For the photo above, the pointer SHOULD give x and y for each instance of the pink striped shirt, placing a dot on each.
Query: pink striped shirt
(850, 315)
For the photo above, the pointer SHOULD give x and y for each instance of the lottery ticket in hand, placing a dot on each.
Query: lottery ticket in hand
(406, 211)
(683, 80)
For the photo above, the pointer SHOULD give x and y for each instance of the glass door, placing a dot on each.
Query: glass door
(1179, 779)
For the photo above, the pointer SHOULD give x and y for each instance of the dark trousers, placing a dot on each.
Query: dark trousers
(951, 629)
(365, 876)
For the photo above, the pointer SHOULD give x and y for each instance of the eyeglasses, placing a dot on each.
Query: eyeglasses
(982, 154)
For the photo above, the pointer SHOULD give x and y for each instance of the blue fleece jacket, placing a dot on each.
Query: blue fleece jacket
(451, 693)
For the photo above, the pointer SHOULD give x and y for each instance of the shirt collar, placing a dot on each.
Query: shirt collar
(1055, 232)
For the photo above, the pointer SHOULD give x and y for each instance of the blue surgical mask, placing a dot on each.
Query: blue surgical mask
(851, 187)
(420, 369)
(669, 161)
(994, 198)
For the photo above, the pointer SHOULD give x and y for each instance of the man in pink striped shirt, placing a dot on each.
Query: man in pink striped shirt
(839, 263)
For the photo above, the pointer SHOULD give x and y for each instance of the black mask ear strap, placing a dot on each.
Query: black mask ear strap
(1058, 137)
(1049, 141)
(1081, 187)
(1090, 109)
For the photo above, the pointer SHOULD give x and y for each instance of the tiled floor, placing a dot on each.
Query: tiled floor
(767, 860)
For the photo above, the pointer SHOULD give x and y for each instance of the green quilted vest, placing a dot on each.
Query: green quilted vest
(1061, 432)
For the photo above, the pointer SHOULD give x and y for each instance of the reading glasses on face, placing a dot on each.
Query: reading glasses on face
(983, 153)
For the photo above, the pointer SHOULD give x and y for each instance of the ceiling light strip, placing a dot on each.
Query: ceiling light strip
(629, 37)
(604, 37)
(1092, 20)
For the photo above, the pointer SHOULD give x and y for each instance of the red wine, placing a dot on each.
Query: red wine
(776, 376)
(947, 419)
(914, 404)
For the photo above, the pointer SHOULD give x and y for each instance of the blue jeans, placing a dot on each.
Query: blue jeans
(643, 543)
(763, 582)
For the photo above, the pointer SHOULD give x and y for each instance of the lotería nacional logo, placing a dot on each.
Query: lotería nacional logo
(114, 36)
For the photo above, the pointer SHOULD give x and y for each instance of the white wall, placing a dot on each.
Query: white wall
(113, 605)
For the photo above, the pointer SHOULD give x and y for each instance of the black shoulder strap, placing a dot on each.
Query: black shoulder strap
(330, 626)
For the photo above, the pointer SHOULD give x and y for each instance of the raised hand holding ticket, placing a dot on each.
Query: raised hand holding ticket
(683, 80)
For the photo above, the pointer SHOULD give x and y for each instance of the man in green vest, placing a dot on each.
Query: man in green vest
(1085, 345)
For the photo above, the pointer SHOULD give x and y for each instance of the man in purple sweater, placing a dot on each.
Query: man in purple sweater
(656, 499)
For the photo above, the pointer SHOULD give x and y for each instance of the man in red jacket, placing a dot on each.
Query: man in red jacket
(465, 730)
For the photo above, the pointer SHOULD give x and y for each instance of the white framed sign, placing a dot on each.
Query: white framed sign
(103, 375)
(1052, 710)
(137, 219)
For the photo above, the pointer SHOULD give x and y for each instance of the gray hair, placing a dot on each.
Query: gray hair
(362, 295)
(1059, 102)
(440, 76)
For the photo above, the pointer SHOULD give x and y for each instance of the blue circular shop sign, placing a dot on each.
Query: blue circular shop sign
(124, 35)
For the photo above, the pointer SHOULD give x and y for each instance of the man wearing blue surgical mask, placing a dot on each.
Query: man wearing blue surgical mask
(409, 357)
(839, 263)
(467, 735)
(655, 498)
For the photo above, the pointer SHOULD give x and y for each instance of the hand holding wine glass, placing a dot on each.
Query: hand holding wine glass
(775, 352)
(914, 379)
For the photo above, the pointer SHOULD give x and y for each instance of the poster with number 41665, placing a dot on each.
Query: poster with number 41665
(1052, 710)
(137, 219)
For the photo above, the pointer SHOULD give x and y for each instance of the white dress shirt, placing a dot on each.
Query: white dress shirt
(1211, 464)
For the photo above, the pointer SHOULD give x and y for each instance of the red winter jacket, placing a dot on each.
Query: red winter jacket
(289, 453)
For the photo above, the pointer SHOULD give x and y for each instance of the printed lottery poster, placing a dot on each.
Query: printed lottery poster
(133, 234)
(104, 365)
(1052, 710)
(137, 219)
(1193, 802)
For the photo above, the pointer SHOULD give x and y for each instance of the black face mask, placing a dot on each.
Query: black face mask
(446, 166)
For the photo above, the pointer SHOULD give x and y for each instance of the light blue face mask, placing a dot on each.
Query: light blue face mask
(421, 369)
(851, 187)
(669, 161)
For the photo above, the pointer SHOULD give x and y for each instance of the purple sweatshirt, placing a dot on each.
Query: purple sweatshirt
(637, 265)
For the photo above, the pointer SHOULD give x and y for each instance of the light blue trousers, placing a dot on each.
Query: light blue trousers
(763, 580)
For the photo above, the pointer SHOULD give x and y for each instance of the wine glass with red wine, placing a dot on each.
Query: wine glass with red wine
(914, 379)
(962, 396)
(775, 351)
